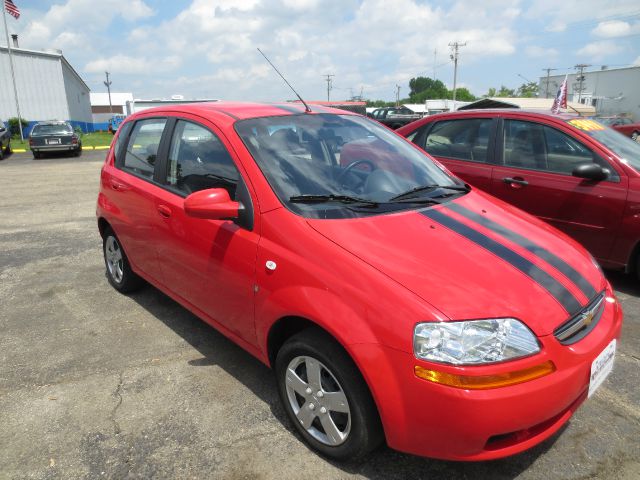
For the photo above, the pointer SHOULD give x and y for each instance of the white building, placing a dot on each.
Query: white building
(48, 88)
(612, 91)
(101, 110)
(138, 105)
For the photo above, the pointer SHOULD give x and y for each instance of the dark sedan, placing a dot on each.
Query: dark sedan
(54, 137)
(5, 139)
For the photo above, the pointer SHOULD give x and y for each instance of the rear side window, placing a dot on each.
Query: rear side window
(142, 148)
(199, 160)
(466, 139)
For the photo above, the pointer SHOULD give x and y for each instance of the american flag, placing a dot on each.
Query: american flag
(561, 97)
(11, 8)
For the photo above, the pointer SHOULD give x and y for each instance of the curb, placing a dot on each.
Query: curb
(99, 147)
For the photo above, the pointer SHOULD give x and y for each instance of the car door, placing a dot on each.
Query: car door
(536, 176)
(464, 146)
(208, 263)
(130, 187)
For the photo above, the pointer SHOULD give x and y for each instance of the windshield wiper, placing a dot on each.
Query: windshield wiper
(426, 188)
(332, 198)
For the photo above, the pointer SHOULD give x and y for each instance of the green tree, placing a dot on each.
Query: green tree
(503, 92)
(424, 88)
(13, 125)
(528, 90)
(463, 94)
(490, 93)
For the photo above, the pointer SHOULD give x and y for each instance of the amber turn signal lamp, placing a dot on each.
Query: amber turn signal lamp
(485, 382)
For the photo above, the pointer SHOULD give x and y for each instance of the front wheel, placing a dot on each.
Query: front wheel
(8, 149)
(326, 397)
(119, 272)
(635, 136)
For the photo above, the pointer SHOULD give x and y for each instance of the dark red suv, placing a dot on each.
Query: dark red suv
(575, 173)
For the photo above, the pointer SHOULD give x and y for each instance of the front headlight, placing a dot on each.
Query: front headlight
(473, 342)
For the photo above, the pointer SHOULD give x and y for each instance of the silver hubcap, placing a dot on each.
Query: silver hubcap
(318, 401)
(113, 255)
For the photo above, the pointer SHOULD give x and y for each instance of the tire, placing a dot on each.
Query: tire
(635, 136)
(78, 152)
(37, 155)
(118, 270)
(354, 427)
(8, 149)
(1, 151)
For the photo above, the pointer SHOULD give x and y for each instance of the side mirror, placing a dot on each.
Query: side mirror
(591, 171)
(212, 204)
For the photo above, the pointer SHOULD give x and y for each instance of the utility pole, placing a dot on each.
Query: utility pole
(546, 90)
(329, 85)
(108, 85)
(397, 95)
(454, 56)
(13, 75)
(435, 53)
(581, 67)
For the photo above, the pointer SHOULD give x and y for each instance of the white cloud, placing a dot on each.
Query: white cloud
(596, 51)
(615, 28)
(636, 61)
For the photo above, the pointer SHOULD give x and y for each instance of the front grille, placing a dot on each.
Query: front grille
(579, 326)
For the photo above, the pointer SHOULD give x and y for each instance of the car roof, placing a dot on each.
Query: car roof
(53, 122)
(246, 110)
(516, 111)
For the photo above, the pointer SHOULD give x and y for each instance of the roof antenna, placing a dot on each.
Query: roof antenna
(307, 109)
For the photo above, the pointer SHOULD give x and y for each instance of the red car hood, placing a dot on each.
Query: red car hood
(476, 257)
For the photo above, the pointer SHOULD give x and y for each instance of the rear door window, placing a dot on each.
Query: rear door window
(466, 139)
(142, 148)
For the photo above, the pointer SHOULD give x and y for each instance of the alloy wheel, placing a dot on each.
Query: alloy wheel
(113, 256)
(318, 400)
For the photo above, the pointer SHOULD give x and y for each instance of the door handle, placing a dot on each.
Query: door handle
(164, 211)
(515, 181)
(121, 187)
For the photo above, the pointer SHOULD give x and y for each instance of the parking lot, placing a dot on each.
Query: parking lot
(94, 384)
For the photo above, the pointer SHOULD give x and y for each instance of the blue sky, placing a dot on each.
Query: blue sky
(207, 48)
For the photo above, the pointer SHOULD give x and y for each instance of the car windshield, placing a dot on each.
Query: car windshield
(57, 129)
(623, 146)
(340, 166)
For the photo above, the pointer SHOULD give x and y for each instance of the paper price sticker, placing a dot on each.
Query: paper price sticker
(586, 125)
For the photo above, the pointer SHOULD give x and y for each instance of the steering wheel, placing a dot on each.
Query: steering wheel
(351, 166)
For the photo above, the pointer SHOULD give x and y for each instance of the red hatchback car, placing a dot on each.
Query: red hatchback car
(393, 302)
(575, 173)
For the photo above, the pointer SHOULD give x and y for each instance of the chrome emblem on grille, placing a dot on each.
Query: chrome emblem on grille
(580, 321)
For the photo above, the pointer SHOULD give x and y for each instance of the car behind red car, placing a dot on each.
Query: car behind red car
(393, 302)
(624, 125)
(575, 173)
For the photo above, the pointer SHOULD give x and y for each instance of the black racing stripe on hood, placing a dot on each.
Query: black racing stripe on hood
(549, 257)
(546, 281)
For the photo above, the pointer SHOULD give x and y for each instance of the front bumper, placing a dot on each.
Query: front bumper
(433, 420)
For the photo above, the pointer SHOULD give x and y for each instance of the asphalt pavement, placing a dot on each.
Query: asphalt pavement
(95, 384)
